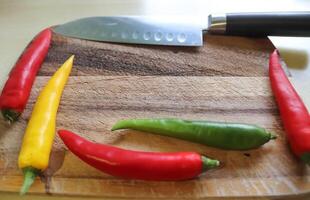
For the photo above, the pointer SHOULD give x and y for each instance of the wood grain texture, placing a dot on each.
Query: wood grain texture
(225, 80)
(221, 56)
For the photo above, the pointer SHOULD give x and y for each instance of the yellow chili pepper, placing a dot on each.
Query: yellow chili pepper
(38, 139)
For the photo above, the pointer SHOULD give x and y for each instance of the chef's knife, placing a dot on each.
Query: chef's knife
(177, 32)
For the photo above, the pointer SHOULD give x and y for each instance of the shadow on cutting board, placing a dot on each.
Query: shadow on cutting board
(4, 126)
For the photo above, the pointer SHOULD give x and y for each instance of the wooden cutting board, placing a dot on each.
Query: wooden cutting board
(225, 80)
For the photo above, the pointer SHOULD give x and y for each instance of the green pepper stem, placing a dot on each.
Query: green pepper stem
(10, 115)
(208, 163)
(30, 174)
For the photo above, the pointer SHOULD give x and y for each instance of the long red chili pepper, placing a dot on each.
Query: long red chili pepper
(17, 89)
(137, 165)
(294, 114)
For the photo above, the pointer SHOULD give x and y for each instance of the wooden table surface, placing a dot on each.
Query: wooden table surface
(20, 21)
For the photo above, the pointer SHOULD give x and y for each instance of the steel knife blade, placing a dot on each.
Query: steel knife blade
(185, 31)
(135, 29)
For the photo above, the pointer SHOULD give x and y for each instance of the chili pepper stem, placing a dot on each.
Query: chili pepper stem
(10, 115)
(30, 174)
(306, 158)
(208, 163)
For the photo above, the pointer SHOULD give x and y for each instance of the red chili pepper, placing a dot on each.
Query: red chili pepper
(17, 88)
(294, 114)
(137, 165)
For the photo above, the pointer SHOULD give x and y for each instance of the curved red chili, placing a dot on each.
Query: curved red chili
(17, 88)
(137, 165)
(294, 114)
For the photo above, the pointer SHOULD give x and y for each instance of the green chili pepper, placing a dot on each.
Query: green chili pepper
(215, 134)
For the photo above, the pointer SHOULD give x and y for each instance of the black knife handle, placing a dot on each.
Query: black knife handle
(264, 24)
